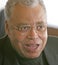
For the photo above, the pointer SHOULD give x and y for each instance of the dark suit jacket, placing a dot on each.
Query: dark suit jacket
(51, 50)
(7, 56)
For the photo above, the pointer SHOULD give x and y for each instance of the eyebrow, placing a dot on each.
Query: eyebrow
(22, 24)
(25, 24)
(41, 22)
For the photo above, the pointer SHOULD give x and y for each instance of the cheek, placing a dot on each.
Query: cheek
(20, 36)
(44, 36)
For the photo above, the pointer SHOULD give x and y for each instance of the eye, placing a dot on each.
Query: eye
(23, 28)
(41, 27)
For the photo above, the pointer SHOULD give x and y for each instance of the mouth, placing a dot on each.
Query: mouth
(31, 47)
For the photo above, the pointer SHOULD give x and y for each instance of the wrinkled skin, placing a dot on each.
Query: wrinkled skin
(27, 30)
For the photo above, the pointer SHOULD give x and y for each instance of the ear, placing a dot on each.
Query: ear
(6, 27)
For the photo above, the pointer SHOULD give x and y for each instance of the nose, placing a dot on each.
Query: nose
(33, 34)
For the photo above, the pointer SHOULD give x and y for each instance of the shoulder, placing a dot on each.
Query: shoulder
(2, 44)
(52, 43)
(4, 51)
(51, 50)
(7, 54)
(3, 40)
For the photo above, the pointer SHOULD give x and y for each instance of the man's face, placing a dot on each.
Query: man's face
(27, 30)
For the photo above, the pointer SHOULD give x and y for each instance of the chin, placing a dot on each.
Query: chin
(31, 56)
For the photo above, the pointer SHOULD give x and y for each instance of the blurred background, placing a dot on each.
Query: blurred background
(52, 15)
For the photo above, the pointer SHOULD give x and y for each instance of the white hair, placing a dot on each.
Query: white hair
(28, 3)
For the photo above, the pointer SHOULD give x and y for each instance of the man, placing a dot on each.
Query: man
(26, 29)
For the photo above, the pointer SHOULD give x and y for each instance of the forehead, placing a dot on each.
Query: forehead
(22, 13)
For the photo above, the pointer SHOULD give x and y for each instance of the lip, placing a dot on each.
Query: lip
(31, 47)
